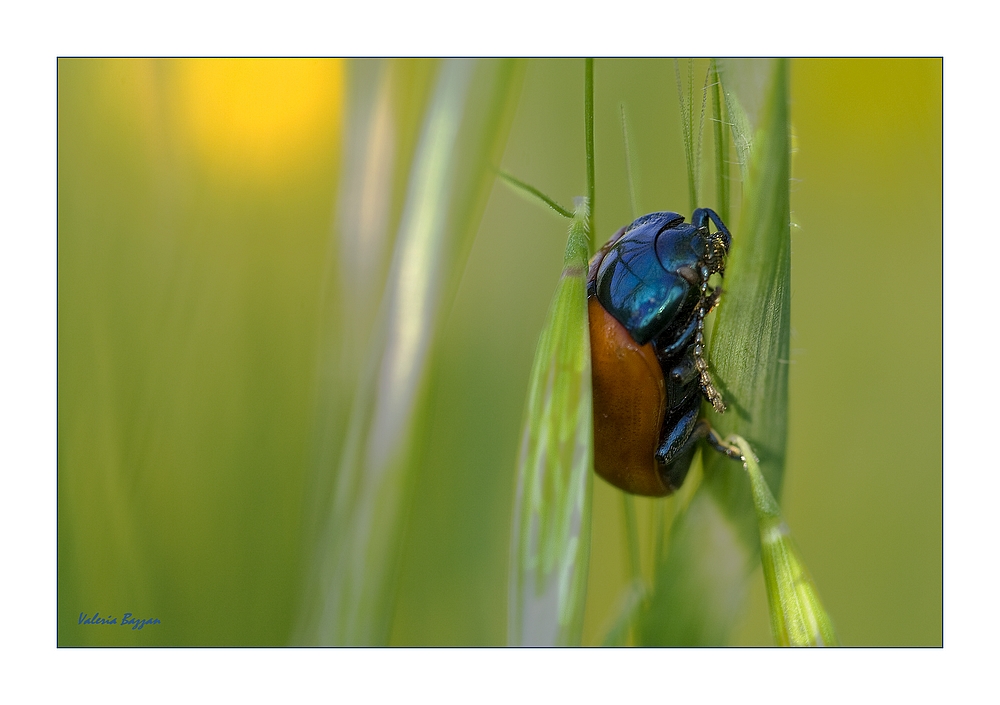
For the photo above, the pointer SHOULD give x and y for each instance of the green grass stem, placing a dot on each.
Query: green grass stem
(633, 198)
(721, 134)
(588, 118)
(797, 615)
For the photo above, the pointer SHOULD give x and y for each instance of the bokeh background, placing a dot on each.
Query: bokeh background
(199, 203)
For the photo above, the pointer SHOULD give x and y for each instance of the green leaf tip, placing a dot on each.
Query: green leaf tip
(797, 615)
(533, 192)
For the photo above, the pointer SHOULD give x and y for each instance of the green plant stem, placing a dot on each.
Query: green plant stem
(798, 618)
(632, 198)
(721, 133)
(588, 116)
(701, 131)
(631, 536)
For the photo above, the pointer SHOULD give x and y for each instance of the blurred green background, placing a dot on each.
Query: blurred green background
(198, 203)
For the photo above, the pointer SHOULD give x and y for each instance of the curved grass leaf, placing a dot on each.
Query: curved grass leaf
(701, 585)
(357, 261)
(351, 590)
(550, 545)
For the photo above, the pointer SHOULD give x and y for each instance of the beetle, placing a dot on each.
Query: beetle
(647, 298)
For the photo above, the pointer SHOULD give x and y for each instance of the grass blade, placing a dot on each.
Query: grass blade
(357, 260)
(750, 341)
(701, 585)
(350, 594)
(550, 545)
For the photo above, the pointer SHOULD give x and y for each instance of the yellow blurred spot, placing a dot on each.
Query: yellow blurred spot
(261, 117)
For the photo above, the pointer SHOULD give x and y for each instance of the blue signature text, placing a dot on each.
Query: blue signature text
(127, 620)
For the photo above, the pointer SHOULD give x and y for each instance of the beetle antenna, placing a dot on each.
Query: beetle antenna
(707, 386)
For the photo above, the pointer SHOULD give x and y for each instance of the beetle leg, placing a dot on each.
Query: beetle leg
(688, 431)
(720, 445)
(683, 340)
(712, 300)
(685, 337)
(683, 372)
(700, 219)
(717, 243)
(675, 452)
(682, 435)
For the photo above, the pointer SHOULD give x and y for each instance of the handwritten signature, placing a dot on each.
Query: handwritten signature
(127, 620)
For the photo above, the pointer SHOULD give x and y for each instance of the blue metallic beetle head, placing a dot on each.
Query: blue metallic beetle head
(650, 275)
